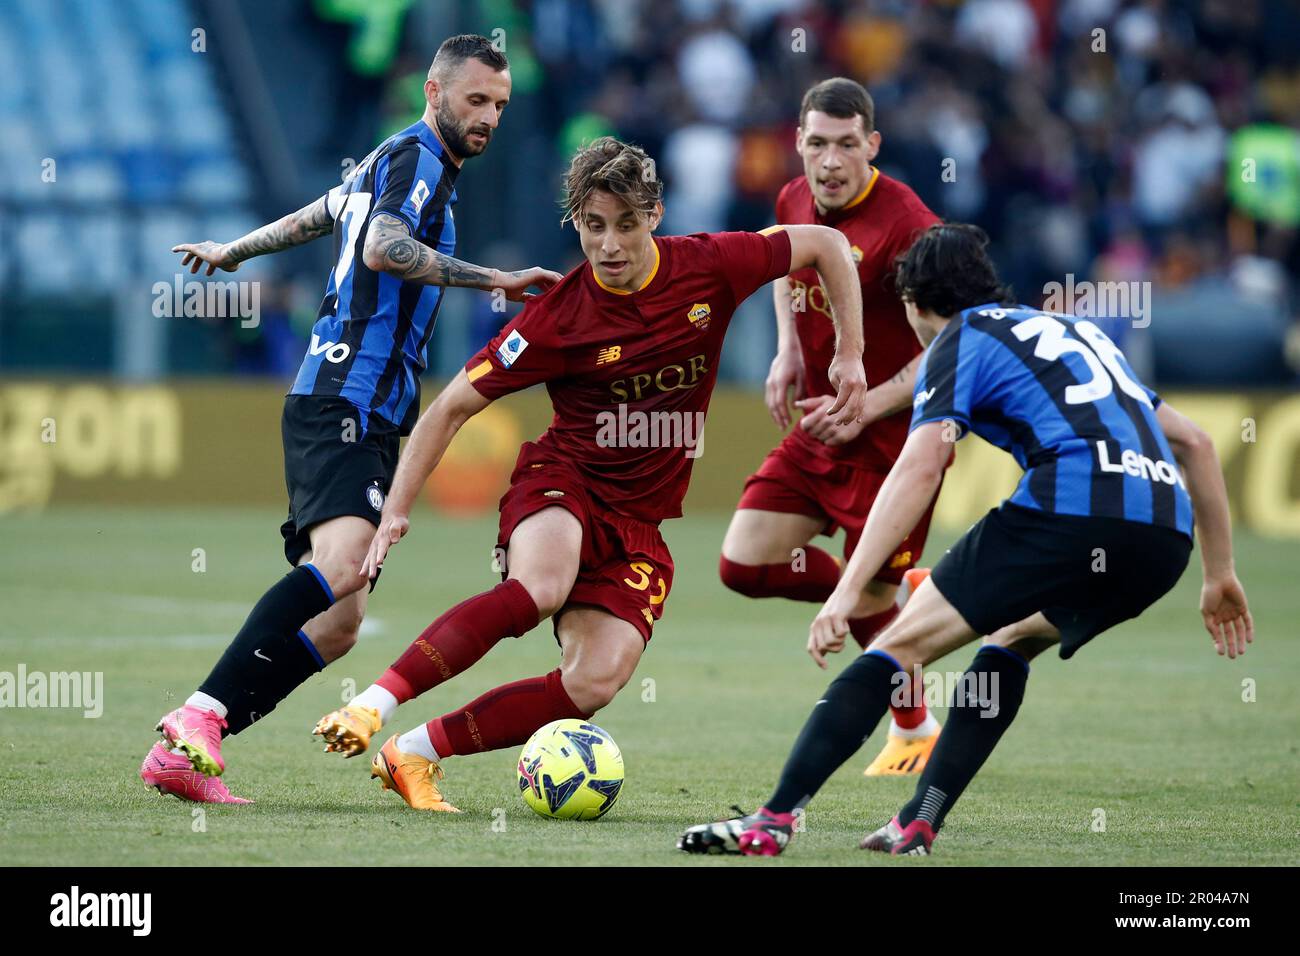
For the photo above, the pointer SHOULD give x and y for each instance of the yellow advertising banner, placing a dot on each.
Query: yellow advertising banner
(217, 442)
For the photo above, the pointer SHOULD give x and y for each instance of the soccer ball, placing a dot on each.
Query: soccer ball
(570, 770)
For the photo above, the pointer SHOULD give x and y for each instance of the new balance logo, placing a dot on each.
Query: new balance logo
(609, 354)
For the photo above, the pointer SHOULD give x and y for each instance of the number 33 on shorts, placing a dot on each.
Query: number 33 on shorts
(643, 570)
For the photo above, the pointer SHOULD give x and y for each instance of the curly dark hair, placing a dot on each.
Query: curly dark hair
(948, 269)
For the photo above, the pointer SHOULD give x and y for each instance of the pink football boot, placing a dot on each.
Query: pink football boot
(196, 733)
(169, 771)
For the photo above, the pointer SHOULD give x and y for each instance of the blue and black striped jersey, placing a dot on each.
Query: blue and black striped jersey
(369, 343)
(1056, 393)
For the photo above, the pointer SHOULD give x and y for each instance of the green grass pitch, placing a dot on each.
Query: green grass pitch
(1147, 724)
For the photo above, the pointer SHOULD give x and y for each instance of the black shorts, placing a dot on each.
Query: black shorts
(1085, 574)
(332, 467)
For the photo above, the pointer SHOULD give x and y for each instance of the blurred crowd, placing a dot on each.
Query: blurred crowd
(1111, 140)
(1108, 140)
(1102, 138)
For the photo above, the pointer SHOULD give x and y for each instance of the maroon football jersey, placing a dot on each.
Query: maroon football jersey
(630, 373)
(880, 224)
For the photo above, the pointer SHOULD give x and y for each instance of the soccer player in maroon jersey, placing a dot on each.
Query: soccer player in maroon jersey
(825, 475)
(628, 345)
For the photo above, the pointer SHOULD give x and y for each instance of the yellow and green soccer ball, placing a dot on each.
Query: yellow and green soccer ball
(570, 770)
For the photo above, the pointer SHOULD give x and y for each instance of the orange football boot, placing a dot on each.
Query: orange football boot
(411, 777)
(904, 756)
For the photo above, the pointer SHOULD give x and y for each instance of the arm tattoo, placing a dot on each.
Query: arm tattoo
(901, 375)
(308, 223)
(404, 257)
(402, 252)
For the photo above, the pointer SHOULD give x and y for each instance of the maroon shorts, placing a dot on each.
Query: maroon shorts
(791, 481)
(624, 567)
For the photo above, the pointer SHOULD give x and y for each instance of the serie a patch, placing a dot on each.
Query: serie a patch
(511, 348)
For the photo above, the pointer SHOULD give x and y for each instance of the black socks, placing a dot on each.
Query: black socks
(984, 705)
(845, 716)
(270, 655)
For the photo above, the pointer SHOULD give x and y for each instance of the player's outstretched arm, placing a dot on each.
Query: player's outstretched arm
(826, 250)
(310, 222)
(455, 405)
(390, 248)
(1223, 599)
(903, 498)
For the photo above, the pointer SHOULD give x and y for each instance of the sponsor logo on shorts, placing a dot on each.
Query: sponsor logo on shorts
(856, 252)
(1139, 466)
(511, 348)
(375, 495)
(902, 559)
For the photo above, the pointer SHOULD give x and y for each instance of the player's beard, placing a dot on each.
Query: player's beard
(456, 134)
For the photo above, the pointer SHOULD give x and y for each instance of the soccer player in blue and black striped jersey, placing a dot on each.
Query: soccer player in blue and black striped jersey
(1099, 528)
(356, 394)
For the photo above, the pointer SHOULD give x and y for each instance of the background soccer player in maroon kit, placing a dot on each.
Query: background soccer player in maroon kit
(628, 346)
(825, 475)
